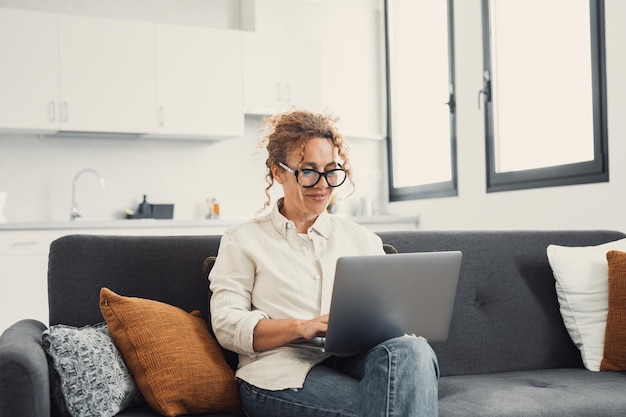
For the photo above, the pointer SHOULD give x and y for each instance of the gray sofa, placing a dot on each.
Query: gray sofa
(508, 352)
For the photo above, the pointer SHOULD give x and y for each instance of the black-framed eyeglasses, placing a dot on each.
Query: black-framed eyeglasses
(308, 178)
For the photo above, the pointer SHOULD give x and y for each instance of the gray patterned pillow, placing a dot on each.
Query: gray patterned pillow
(93, 378)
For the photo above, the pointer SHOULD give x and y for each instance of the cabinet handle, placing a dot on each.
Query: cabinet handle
(24, 243)
(64, 112)
(52, 111)
(161, 116)
(288, 92)
(278, 95)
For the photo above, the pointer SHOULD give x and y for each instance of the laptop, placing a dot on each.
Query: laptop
(379, 297)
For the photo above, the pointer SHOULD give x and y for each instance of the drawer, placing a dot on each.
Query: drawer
(26, 242)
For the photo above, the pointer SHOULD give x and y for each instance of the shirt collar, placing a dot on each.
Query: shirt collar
(282, 224)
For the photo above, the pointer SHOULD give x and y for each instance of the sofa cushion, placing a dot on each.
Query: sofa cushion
(547, 393)
(91, 377)
(615, 335)
(581, 275)
(178, 366)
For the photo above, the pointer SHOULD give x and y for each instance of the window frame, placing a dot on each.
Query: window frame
(593, 171)
(431, 190)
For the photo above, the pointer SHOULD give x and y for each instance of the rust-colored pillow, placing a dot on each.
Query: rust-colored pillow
(615, 335)
(177, 365)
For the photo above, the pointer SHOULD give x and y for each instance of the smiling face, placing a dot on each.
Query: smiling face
(304, 205)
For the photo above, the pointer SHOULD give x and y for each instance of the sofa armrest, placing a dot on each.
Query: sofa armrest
(24, 381)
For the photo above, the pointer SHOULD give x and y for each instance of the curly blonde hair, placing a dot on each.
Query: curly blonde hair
(288, 132)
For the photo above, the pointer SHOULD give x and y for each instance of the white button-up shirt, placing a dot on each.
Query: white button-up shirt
(264, 269)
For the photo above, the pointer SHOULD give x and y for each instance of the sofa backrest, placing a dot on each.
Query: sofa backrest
(506, 315)
(162, 268)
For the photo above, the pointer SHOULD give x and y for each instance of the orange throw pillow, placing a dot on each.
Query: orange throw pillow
(177, 365)
(615, 335)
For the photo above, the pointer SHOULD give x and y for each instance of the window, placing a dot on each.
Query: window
(421, 127)
(544, 93)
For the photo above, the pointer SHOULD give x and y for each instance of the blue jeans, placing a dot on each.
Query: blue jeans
(398, 377)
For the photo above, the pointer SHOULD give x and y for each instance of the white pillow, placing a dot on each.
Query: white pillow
(581, 275)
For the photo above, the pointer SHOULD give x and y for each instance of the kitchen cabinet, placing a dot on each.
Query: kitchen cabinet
(29, 70)
(75, 73)
(81, 75)
(107, 75)
(23, 276)
(198, 82)
(354, 76)
(351, 64)
(280, 72)
(302, 60)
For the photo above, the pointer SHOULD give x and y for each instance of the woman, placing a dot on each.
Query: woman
(272, 284)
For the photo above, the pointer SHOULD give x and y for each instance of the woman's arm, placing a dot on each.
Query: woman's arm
(272, 333)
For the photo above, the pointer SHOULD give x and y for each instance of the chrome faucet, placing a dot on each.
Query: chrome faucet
(75, 212)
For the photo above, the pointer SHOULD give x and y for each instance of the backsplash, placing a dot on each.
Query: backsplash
(37, 173)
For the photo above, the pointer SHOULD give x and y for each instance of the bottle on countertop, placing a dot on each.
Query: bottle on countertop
(212, 208)
(144, 207)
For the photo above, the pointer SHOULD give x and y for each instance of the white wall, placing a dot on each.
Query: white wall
(37, 173)
(571, 207)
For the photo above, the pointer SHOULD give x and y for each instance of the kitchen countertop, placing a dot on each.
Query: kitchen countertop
(115, 224)
(169, 223)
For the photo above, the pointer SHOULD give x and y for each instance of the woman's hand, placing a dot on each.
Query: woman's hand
(314, 327)
(272, 333)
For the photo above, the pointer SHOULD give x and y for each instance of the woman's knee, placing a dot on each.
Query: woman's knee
(414, 350)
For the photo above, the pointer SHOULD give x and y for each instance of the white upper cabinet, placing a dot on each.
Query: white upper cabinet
(89, 75)
(340, 72)
(29, 70)
(279, 73)
(107, 76)
(198, 79)
(354, 70)
(303, 73)
(262, 74)
(80, 74)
